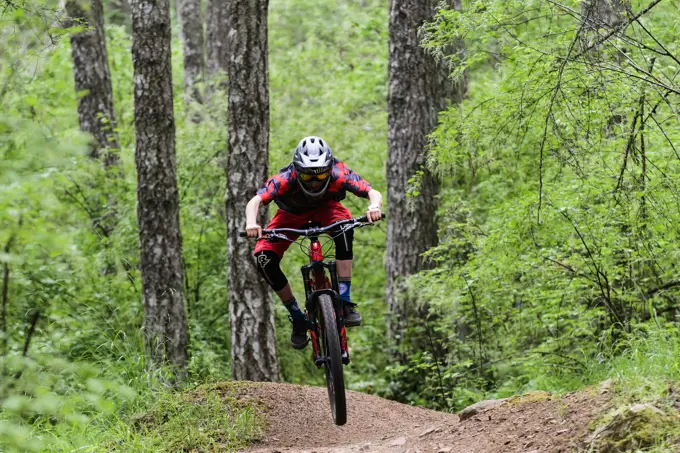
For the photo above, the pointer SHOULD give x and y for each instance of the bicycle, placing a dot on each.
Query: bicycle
(324, 307)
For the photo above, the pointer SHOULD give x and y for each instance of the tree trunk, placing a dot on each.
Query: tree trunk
(157, 197)
(217, 28)
(253, 345)
(5, 297)
(93, 79)
(189, 12)
(419, 90)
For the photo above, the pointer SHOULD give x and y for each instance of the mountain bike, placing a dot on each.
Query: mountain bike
(324, 308)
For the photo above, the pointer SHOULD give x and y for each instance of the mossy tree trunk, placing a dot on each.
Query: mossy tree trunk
(93, 79)
(253, 342)
(191, 18)
(217, 54)
(419, 88)
(160, 240)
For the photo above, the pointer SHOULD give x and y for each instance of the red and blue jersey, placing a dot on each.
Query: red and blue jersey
(284, 190)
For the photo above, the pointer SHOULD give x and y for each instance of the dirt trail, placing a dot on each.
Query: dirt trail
(299, 421)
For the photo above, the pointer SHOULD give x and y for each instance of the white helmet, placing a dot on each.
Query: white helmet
(313, 158)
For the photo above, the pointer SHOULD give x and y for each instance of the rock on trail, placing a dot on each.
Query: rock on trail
(299, 421)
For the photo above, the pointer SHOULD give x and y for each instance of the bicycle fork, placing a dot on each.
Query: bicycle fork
(330, 288)
(316, 347)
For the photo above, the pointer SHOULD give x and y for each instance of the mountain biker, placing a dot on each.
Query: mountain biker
(309, 189)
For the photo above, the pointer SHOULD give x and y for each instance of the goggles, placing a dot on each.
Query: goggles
(305, 177)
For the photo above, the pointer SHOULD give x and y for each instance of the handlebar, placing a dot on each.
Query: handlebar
(355, 222)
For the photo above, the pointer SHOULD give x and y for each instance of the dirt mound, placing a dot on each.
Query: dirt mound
(299, 421)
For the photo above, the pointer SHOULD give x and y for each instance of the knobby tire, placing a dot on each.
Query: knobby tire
(335, 379)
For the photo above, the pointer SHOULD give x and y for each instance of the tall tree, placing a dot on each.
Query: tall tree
(419, 88)
(92, 78)
(191, 17)
(217, 27)
(253, 345)
(157, 197)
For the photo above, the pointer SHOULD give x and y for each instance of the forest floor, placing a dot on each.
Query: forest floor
(298, 419)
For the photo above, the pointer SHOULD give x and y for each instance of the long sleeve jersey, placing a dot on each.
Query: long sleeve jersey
(284, 190)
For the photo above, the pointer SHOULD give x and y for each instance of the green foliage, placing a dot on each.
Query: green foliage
(643, 369)
(69, 246)
(39, 394)
(45, 398)
(558, 216)
(206, 419)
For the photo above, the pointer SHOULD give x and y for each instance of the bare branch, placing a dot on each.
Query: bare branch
(669, 285)
(31, 330)
(618, 29)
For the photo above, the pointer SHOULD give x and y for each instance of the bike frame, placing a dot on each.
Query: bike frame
(318, 289)
(316, 283)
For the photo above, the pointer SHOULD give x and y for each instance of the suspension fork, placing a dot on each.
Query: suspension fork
(339, 312)
(316, 281)
(312, 285)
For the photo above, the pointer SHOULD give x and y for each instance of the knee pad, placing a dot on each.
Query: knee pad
(269, 267)
(343, 246)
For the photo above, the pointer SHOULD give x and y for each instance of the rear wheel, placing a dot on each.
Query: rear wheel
(330, 341)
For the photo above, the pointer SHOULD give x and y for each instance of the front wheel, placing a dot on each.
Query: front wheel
(335, 379)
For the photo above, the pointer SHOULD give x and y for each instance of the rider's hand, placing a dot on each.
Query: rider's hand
(254, 231)
(374, 213)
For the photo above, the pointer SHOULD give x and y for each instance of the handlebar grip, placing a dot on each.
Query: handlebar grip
(363, 218)
(243, 234)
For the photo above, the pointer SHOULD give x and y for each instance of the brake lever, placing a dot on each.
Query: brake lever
(279, 236)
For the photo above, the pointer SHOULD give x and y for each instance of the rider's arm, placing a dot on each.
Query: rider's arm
(275, 187)
(252, 228)
(376, 199)
(351, 181)
(278, 185)
(374, 212)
